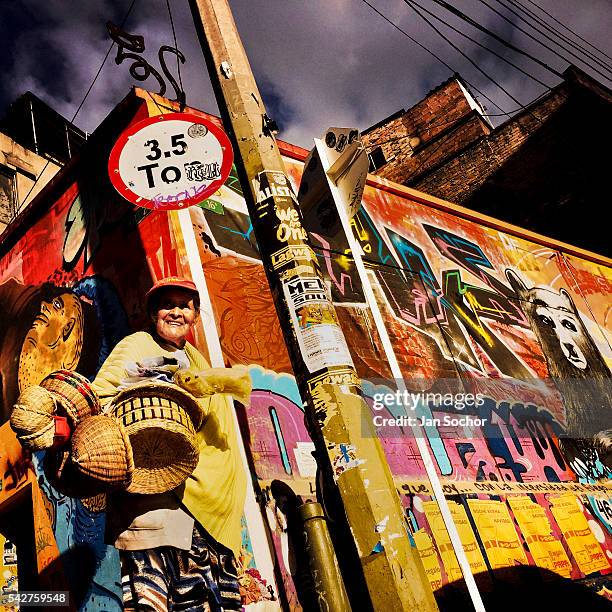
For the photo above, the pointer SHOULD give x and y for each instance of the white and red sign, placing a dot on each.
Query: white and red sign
(170, 161)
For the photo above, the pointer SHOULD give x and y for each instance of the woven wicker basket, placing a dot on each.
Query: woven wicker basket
(159, 420)
(32, 418)
(74, 393)
(101, 451)
(68, 478)
(61, 473)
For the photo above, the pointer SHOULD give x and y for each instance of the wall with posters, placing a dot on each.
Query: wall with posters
(470, 310)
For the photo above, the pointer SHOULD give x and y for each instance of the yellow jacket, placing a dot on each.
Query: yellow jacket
(215, 493)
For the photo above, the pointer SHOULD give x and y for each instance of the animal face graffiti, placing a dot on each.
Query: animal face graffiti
(54, 340)
(569, 349)
(555, 313)
(574, 362)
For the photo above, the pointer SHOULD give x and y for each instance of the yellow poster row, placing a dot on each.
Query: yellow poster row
(443, 543)
(497, 532)
(582, 543)
(547, 550)
(501, 541)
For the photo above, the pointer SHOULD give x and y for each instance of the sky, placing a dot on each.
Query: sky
(318, 63)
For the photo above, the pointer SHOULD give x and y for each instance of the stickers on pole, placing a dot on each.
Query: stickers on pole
(171, 161)
(319, 336)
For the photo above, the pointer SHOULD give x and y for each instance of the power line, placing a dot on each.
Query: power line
(411, 4)
(495, 36)
(84, 97)
(568, 29)
(479, 44)
(447, 121)
(178, 61)
(541, 22)
(414, 40)
(450, 121)
(517, 27)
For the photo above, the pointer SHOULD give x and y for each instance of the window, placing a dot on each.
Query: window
(377, 159)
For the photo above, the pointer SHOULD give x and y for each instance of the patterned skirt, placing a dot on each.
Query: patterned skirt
(162, 579)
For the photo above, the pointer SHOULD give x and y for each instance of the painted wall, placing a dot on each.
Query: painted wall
(470, 309)
(70, 288)
(459, 302)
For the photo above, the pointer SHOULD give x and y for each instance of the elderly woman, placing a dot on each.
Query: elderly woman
(178, 549)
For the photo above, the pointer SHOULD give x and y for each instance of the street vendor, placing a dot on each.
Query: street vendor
(178, 549)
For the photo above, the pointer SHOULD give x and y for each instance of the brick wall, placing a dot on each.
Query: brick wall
(433, 129)
(465, 173)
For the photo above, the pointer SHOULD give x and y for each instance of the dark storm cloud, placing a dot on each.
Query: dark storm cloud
(318, 62)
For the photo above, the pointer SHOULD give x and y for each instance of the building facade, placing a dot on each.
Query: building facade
(544, 168)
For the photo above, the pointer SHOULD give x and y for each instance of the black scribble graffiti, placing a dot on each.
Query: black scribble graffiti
(197, 171)
(209, 244)
(140, 69)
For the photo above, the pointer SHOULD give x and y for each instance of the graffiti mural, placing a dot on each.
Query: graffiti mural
(71, 286)
(469, 310)
(449, 294)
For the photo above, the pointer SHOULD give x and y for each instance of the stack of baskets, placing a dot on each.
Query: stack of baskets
(96, 456)
(144, 443)
(32, 418)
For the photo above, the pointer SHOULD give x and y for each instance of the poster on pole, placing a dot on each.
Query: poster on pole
(319, 335)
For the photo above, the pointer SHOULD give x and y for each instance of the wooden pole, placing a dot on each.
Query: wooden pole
(338, 418)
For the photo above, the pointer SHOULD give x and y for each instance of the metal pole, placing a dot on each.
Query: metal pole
(328, 585)
(337, 415)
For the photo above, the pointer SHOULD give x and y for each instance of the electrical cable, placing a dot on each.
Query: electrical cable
(448, 121)
(456, 48)
(479, 44)
(178, 62)
(414, 40)
(541, 22)
(564, 26)
(461, 15)
(517, 27)
(82, 101)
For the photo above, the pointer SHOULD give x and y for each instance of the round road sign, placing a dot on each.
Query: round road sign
(170, 161)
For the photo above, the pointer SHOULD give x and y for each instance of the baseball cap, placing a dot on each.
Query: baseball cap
(171, 281)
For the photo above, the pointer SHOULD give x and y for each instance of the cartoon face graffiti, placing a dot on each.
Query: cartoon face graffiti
(54, 340)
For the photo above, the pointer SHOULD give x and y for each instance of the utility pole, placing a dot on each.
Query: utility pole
(338, 418)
